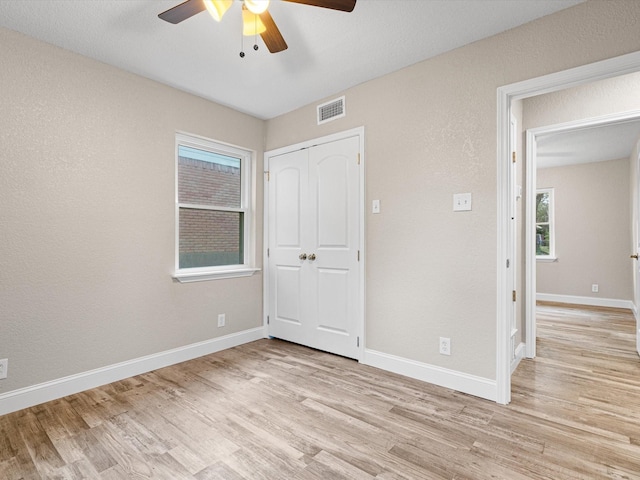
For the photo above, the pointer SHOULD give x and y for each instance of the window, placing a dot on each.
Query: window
(214, 237)
(545, 244)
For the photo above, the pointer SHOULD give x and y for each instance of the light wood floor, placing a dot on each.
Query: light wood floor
(272, 410)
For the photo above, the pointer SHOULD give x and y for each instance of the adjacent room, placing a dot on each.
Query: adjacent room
(296, 239)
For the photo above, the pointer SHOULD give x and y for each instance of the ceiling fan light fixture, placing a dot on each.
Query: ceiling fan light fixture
(256, 18)
(251, 23)
(217, 8)
(257, 6)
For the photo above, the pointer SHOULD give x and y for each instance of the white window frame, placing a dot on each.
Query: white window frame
(551, 257)
(247, 163)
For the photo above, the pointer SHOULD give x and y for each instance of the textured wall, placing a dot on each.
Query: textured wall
(77, 200)
(87, 191)
(432, 272)
(613, 95)
(593, 231)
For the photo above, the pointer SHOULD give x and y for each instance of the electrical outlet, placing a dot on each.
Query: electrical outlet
(594, 288)
(221, 320)
(4, 366)
(445, 346)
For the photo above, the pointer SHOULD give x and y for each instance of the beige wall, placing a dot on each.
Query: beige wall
(613, 95)
(87, 176)
(593, 231)
(432, 272)
(609, 96)
(87, 183)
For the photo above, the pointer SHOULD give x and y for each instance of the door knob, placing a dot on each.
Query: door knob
(302, 256)
(312, 257)
(634, 256)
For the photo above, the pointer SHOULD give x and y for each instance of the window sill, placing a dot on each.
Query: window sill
(189, 277)
(546, 259)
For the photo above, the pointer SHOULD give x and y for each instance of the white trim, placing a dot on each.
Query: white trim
(545, 259)
(504, 294)
(591, 301)
(588, 122)
(520, 349)
(530, 282)
(609, 68)
(44, 392)
(443, 377)
(247, 158)
(354, 132)
(359, 132)
(214, 275)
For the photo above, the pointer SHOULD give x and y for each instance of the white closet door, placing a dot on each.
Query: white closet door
(313, 243)
(288, 227)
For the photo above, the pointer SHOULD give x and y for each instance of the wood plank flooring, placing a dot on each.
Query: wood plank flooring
(273, 410)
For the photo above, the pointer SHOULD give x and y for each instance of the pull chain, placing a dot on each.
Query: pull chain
(255, 38)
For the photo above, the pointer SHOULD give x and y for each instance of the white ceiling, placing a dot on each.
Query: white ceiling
(329, 51)
(611, 141)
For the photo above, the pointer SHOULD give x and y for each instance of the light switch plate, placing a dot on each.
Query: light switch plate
(461, 202)
(375, 206)
(4, 366)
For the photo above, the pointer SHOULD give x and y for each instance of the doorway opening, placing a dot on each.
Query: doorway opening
(583, 135)
(614, 67)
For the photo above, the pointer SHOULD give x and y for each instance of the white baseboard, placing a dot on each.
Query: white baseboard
(44, 392)
(519, 356)
(592, 301)
(462, 382)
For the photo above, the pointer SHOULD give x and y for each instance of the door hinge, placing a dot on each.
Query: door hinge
(508, 262)
(358, 255)
(513, 157)
(267, 319)
(357, 341)
(358, 159)
(513, 295)
(268, 175)
(269, 252)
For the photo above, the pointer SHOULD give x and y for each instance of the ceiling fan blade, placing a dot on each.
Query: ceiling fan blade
(342, 5)
(272, 37)
(183, 11)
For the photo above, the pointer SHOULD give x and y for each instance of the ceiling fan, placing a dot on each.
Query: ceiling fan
(255, 15)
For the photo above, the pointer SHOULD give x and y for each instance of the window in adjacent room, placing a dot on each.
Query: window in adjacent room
(213, 208)
(545, 244)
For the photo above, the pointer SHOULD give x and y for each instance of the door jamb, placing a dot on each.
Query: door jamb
(601, 70)
(354, 132)
(636, 242)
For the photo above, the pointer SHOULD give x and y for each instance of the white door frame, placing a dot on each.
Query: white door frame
(513, 237)
(532, 161)
(612, 67)
(636, 246)
(359, 132)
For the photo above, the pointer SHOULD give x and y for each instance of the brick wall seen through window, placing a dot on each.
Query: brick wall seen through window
(209, 237)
